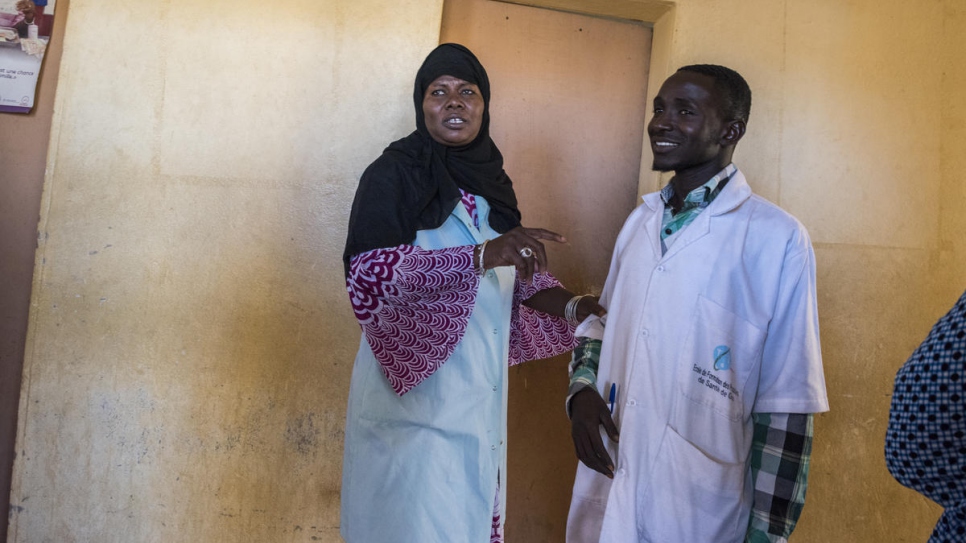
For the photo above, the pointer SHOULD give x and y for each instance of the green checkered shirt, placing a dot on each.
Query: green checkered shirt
(675, 220)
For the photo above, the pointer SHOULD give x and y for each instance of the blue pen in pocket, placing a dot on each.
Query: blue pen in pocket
(612, 397)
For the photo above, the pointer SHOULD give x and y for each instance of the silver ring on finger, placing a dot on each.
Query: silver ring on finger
(526, 252)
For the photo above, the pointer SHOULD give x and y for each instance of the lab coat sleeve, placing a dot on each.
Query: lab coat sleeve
(792, 379)
(593, 326)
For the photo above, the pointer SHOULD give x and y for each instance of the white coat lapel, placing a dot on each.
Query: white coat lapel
(732, 195)
(698, 228)
(652, 225)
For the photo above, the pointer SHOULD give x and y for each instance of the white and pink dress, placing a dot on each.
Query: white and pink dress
(425, 441)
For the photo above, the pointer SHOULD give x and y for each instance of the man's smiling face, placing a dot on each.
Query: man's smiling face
(687, 130)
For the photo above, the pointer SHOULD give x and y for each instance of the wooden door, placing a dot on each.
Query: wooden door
(568, 111)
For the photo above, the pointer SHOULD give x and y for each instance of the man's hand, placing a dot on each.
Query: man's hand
(587, 412)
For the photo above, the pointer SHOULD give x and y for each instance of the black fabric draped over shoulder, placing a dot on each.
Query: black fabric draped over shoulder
(414, 185)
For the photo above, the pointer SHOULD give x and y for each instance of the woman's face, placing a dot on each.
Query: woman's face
(453, 110)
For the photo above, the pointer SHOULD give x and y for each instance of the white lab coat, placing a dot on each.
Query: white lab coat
(723, 325)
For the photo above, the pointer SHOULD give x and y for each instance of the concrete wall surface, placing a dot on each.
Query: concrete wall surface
(190, 340)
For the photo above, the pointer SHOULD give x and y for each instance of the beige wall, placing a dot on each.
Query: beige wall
(190, 340)
(953, 145)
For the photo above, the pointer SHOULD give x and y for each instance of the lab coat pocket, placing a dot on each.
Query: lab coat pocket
(720, 355)
(691, 496)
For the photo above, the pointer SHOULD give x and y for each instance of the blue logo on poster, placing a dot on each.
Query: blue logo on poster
(722, 357)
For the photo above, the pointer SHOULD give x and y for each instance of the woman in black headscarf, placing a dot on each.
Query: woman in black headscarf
(449, 289)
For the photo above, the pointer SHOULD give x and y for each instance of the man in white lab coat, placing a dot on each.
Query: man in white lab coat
(706, 371)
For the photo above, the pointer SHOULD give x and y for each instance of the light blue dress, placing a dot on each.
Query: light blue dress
(423, 467)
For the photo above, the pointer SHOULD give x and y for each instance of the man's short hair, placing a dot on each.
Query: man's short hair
(735, 92)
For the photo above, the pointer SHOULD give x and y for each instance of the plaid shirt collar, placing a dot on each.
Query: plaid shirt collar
(702, 196)
(694, 203)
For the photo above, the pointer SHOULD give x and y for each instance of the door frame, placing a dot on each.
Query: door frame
(657, 14)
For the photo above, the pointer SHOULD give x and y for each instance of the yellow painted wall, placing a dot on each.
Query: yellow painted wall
(190, 339)
(953, 145)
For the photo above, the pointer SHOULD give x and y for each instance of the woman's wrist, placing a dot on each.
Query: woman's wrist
(478, 255)
(570, 310)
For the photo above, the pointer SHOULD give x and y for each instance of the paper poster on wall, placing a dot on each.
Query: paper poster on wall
(25, 27)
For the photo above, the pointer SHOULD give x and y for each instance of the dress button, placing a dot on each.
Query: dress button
(660, 268)
(495, 331)
(644, 332)
(632, 402)
(494, 388)
(621, 472)
(489, 274)
(492, 447)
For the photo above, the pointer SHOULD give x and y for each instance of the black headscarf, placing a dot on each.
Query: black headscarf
(415, 184)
